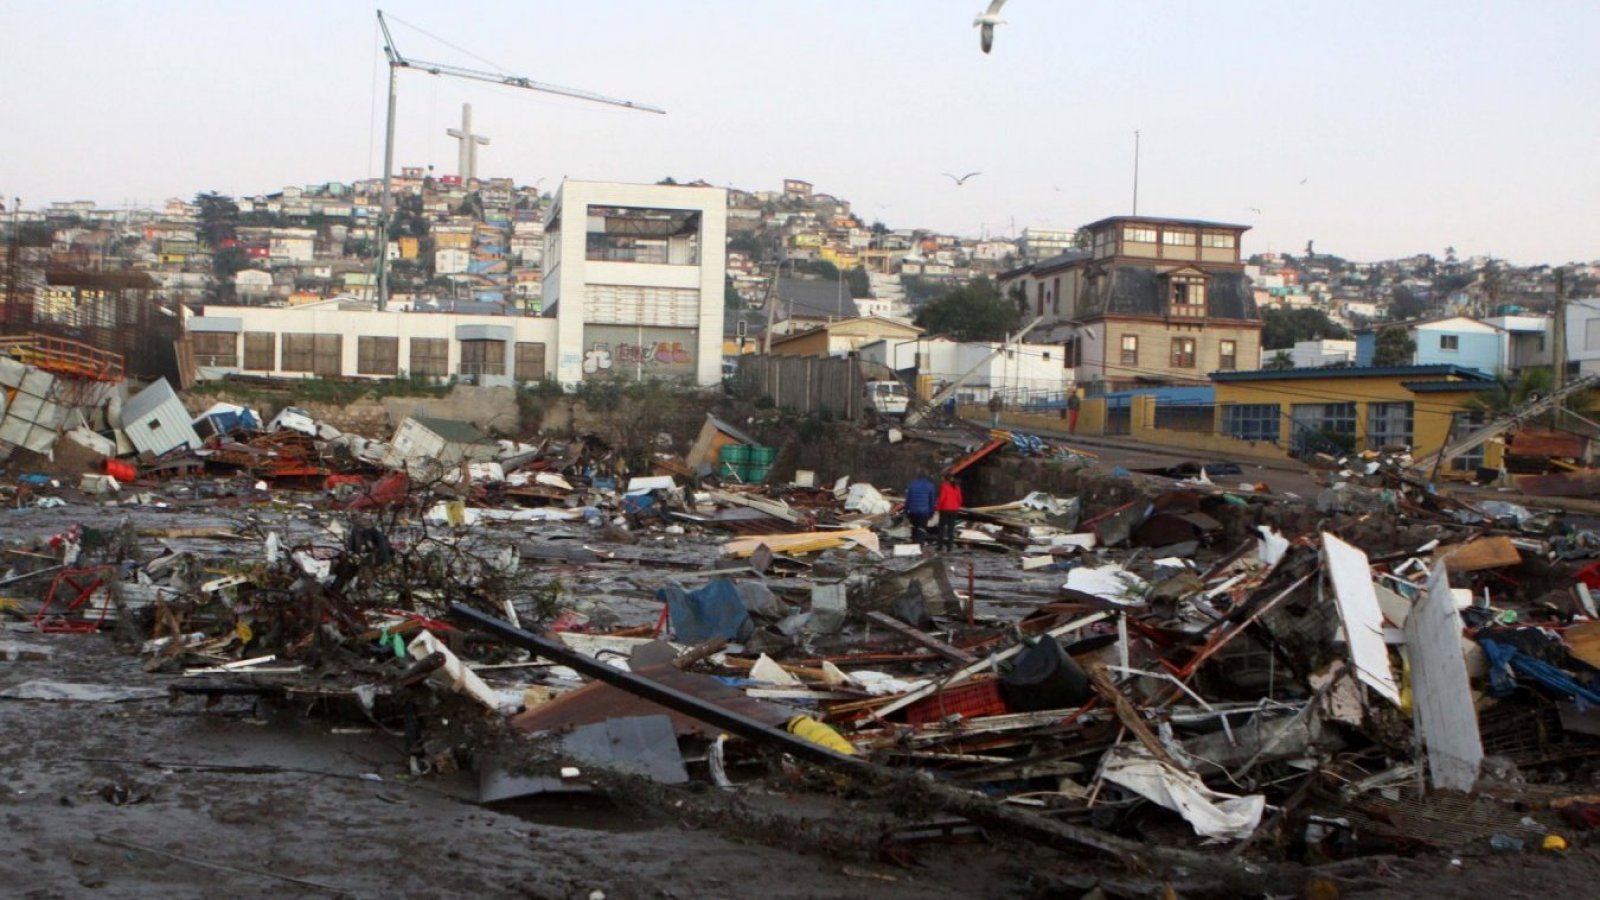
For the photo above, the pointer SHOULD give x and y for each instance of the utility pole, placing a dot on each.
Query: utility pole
(1558, 328)
(1136, 172)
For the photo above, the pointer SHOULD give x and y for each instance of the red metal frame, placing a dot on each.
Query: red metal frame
(82, 585)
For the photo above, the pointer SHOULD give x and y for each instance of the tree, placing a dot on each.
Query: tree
(730, 296)
(1393, 347)
(1282, 328)
(219, 216)
(973, 312)
(858, 282)
(818, 267)
(1404, 305)
(749, 245)
(1280, 360)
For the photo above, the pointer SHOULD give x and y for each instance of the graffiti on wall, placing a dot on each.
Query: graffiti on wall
(620, 352)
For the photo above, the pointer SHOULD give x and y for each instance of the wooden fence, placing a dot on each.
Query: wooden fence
(807, 385)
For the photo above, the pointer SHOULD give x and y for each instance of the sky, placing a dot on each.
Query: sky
(1376, 128)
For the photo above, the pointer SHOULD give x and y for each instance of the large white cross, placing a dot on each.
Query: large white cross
(467, 152)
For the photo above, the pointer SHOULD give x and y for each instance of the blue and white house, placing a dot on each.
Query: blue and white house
(1453, 341)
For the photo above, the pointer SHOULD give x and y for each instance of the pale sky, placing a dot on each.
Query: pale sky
(1375, 127)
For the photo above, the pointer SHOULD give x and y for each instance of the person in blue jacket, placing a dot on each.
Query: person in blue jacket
(920, 495)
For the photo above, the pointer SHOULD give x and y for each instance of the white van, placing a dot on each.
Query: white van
(888, 398)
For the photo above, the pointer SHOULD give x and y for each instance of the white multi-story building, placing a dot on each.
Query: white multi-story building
(633, 289)
(634, 276)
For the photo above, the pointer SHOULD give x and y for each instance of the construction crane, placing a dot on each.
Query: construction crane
(949, 391)
(1433, 462)
(398, 62)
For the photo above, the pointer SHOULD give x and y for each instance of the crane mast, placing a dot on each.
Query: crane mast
(398, 62)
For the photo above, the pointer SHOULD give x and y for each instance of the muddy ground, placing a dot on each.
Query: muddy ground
(241, 799)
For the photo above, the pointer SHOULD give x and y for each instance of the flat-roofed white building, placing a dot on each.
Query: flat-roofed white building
(329, 339)
(633, 289)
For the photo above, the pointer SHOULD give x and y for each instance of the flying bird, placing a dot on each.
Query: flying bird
(1256, 210)
(963, 179)
(986, 21)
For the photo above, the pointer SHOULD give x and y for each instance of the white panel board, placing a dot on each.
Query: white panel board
(1441, 694)
(1357, 599)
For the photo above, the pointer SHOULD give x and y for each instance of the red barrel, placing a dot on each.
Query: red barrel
(121, 471)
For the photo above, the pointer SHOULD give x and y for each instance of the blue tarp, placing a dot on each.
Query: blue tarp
(1507, 662)
(713, 611)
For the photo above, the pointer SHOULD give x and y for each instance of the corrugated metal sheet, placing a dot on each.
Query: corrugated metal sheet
(156, 422)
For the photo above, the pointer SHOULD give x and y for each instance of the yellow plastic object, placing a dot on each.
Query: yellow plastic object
(1555, 843)
(810, 729)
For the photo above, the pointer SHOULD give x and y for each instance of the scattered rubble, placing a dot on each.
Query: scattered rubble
(1304, 681)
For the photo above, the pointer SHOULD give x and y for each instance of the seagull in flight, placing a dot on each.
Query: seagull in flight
(963, 179)
(986, 21)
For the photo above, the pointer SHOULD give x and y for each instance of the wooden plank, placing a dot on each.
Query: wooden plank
(1583, 642)
(1130, 716)
(954, 654)
(1476, 555)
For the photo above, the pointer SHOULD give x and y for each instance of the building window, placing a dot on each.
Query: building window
(1222, 241)
(430, 357)
(1388, 425)
(1183, 353)
(260, 350)
(377, 355)
(1056, 292)
(1187, 295)
(1130, 349)
(1450, 342)
(1251, 421)
(215, 348)
(640, 235)
(1463, 424)
(1138, 234)
(530, 361)
(1227, 355)
(1324, 428)
(1178, 238)
(299, 352)
(319, 354)
(483, 357)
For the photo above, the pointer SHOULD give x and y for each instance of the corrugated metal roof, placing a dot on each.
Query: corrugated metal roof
(1419, 372)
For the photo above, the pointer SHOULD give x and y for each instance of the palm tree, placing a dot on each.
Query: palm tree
(1280, 360)
(1508, 395)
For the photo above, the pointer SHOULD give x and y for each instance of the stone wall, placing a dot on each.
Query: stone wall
(489, 408)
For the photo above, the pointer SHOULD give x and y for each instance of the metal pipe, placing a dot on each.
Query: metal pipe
(670, 697)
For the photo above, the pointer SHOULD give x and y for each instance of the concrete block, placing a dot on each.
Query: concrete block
(25, 407)
(15, 652)
(38, 383)
(49, 416)
(14, 431)
(40, 439)
(11, 372)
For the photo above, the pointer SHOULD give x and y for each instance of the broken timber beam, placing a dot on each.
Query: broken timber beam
(975, 807)
(1130, 716)
(954, 654)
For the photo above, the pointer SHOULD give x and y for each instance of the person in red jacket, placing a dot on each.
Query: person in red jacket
(948, 504)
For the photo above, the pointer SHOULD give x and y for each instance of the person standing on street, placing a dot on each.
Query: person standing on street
(995, 403)
(1072, 412)
(920, 497)
(948, 504)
